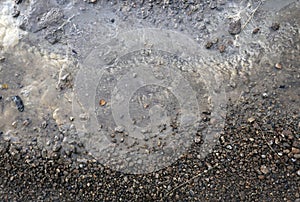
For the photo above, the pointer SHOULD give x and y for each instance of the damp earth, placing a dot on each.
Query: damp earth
(149, 100)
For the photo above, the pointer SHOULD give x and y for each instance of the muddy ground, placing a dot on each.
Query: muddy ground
(67, 59)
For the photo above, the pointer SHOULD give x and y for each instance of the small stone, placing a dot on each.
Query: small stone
(3, 86)
(82, 160)
(208, 44)
(71, 118)
(295, 150)
(256, 30)
(83, 117)
(102, 102)
(229, 147)
(15, 12)
(275, 26)
(197, 139)
(159, 143)
(264, 169)
(261, 177)
(18, 1)
(278, 66)
(222, 48)
(265, 95)
(215, 40)
(14, 124)
(213, 5)
(19, 103)
(120, 129)
(235, 27)
(56, 147)
(298, 172)
(91, 1)
(251, 119)
(26, 122)
(297, 156)
(44, 124)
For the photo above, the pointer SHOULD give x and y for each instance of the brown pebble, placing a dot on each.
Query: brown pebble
(264, 169)
(102, 102)
(26, 122)
(261, 177)
(278, 66)
(256, 30)
(295, 150)
(222, 48)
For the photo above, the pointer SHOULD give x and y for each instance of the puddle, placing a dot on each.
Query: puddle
(121, 56)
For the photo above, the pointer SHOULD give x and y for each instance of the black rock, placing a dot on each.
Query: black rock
(275, 26)
(19, 103)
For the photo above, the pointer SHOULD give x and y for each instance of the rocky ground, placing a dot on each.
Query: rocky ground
(254, 45)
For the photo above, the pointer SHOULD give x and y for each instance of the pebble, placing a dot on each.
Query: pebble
(15, 12)
(295, 150)
(44, 124)
(251, 119)
(26, 122)
(56, 147)
(14, 124)
(229, 147)
(275, 26)
(235, 27)
(264, 169)
(298, 172)
(265, 95)
(19, 103)
(222, 48)
(197, 139)
(278, 66)
(91, 1)
(83, 117)
(208, 44)
(120, 129)
(261, 177)
(256, 30)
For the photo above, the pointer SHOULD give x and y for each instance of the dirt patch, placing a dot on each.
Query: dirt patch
(249, 49)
